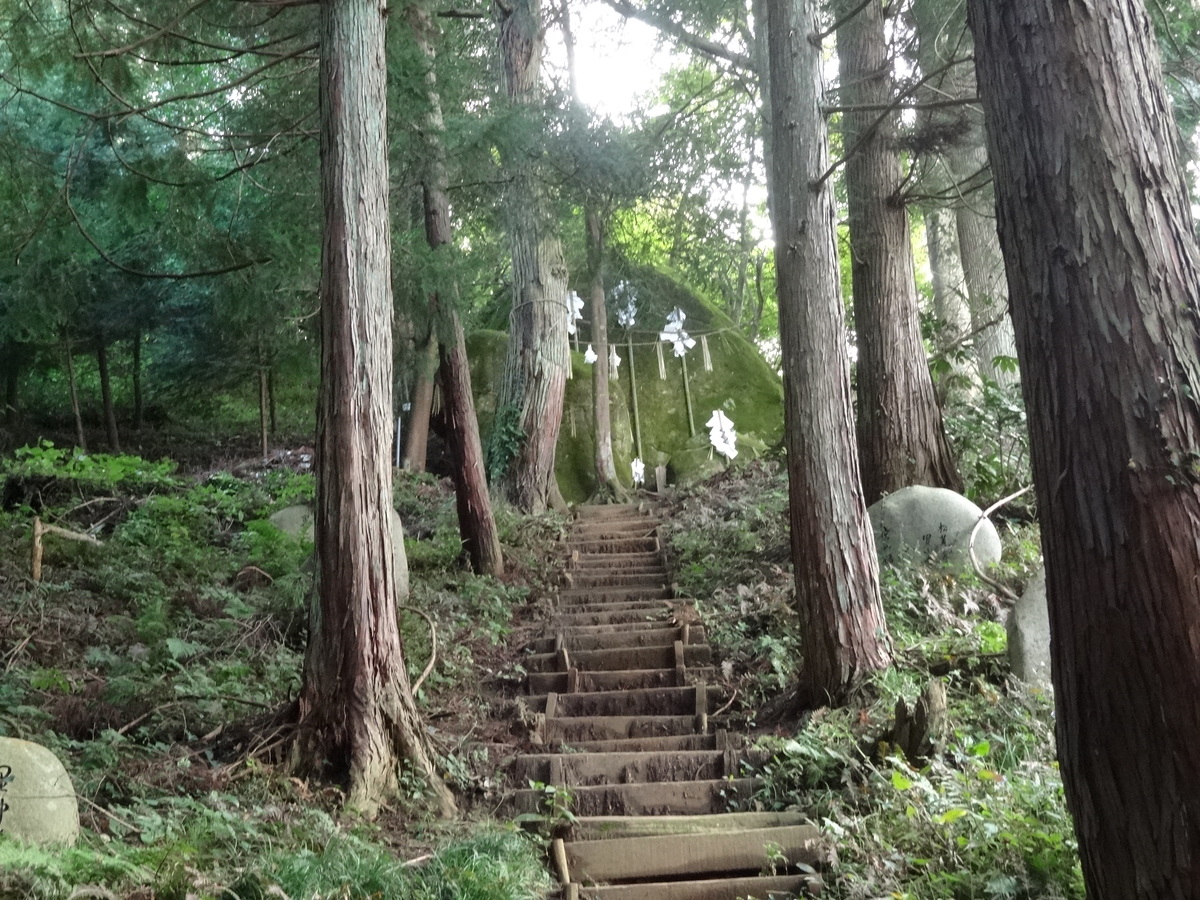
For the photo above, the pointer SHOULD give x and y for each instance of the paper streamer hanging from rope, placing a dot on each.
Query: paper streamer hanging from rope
(662, 363)
(704, 354)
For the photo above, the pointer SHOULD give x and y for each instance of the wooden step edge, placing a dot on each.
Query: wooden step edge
(590, 828)
(689, 855)
(761, 887)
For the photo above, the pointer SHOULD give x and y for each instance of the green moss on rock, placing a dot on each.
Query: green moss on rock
(741, 384)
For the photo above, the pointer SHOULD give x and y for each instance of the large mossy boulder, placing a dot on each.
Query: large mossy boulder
(740, 383)
(931, 524)
(37, 799)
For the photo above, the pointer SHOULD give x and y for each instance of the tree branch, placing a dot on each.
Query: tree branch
(888, 107)
(681, 34)
(168, 28)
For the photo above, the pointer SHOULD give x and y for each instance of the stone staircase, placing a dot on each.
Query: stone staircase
(620, 685)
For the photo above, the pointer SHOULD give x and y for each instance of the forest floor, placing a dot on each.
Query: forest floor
(155, 666)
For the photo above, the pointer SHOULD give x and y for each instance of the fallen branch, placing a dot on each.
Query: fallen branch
(995, 585)
(40, 529)
(432, 646)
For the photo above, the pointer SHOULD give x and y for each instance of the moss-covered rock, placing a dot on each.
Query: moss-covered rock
(740, 383)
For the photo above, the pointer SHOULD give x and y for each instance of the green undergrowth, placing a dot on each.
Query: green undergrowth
(156, 664)
(984, 817)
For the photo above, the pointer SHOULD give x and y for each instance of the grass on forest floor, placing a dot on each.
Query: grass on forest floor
(152, 666)
(985, 818)
(149, 666)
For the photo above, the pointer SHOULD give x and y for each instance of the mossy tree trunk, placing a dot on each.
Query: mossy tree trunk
(901, 438)
(106, 398)
(416, 442)
(73, 386)
(476, 523)
(1104, 279)
(607, 486)
(833, 551)
(535, 372)
(356, 715)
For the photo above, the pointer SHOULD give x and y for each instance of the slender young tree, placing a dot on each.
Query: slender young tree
(833, 551)
(901, 438)
(944, 53)
(535, 372)
(1104, 280)
(476, 524)
(608, 488)
(356, 710)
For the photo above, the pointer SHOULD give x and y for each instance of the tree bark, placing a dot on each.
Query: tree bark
(901, 438)
(964, 179)
(535, 372)
(264, 414)
(608, 488)
(356, 711)
(833, 550)
(949, 298)
(476, 523)
(1104, 280)
(417, 442)
(73, 385)
(110, 413)
(136, 378)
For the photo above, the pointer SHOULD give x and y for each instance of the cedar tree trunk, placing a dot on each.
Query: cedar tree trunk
(833, 550)
(106, 399)
(356, 711)
(73, 385)
(417, 443)
(476, 524)
(1104, 279)
(608, 488)
(535, 371)
(901, 439)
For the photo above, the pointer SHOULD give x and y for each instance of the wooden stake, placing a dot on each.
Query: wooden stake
(633, 400)
(687, 396)
(39, 529)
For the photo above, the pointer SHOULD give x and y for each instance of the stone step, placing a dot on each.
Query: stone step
(589, 828)
(668, 798)
(614, 545)
(656, 701)
(587, 769)
(615, 528)
(572, 729)
(589, 658)
(599, 578)
(608, 560)
(612, 510)
(635, 612)
(632, 565)
(605, 594)
(760, 887)
(621, 679)
(634, 745)
(689, 855)
(551, 632)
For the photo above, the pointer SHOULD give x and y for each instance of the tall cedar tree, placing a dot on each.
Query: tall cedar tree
(1104, 278)
(608, 488)
(355, 710)
(535, 371)
(476, 524)
(833, 551)
(901, 438)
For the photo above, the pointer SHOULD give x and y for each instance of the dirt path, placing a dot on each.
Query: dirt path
(620, 684)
